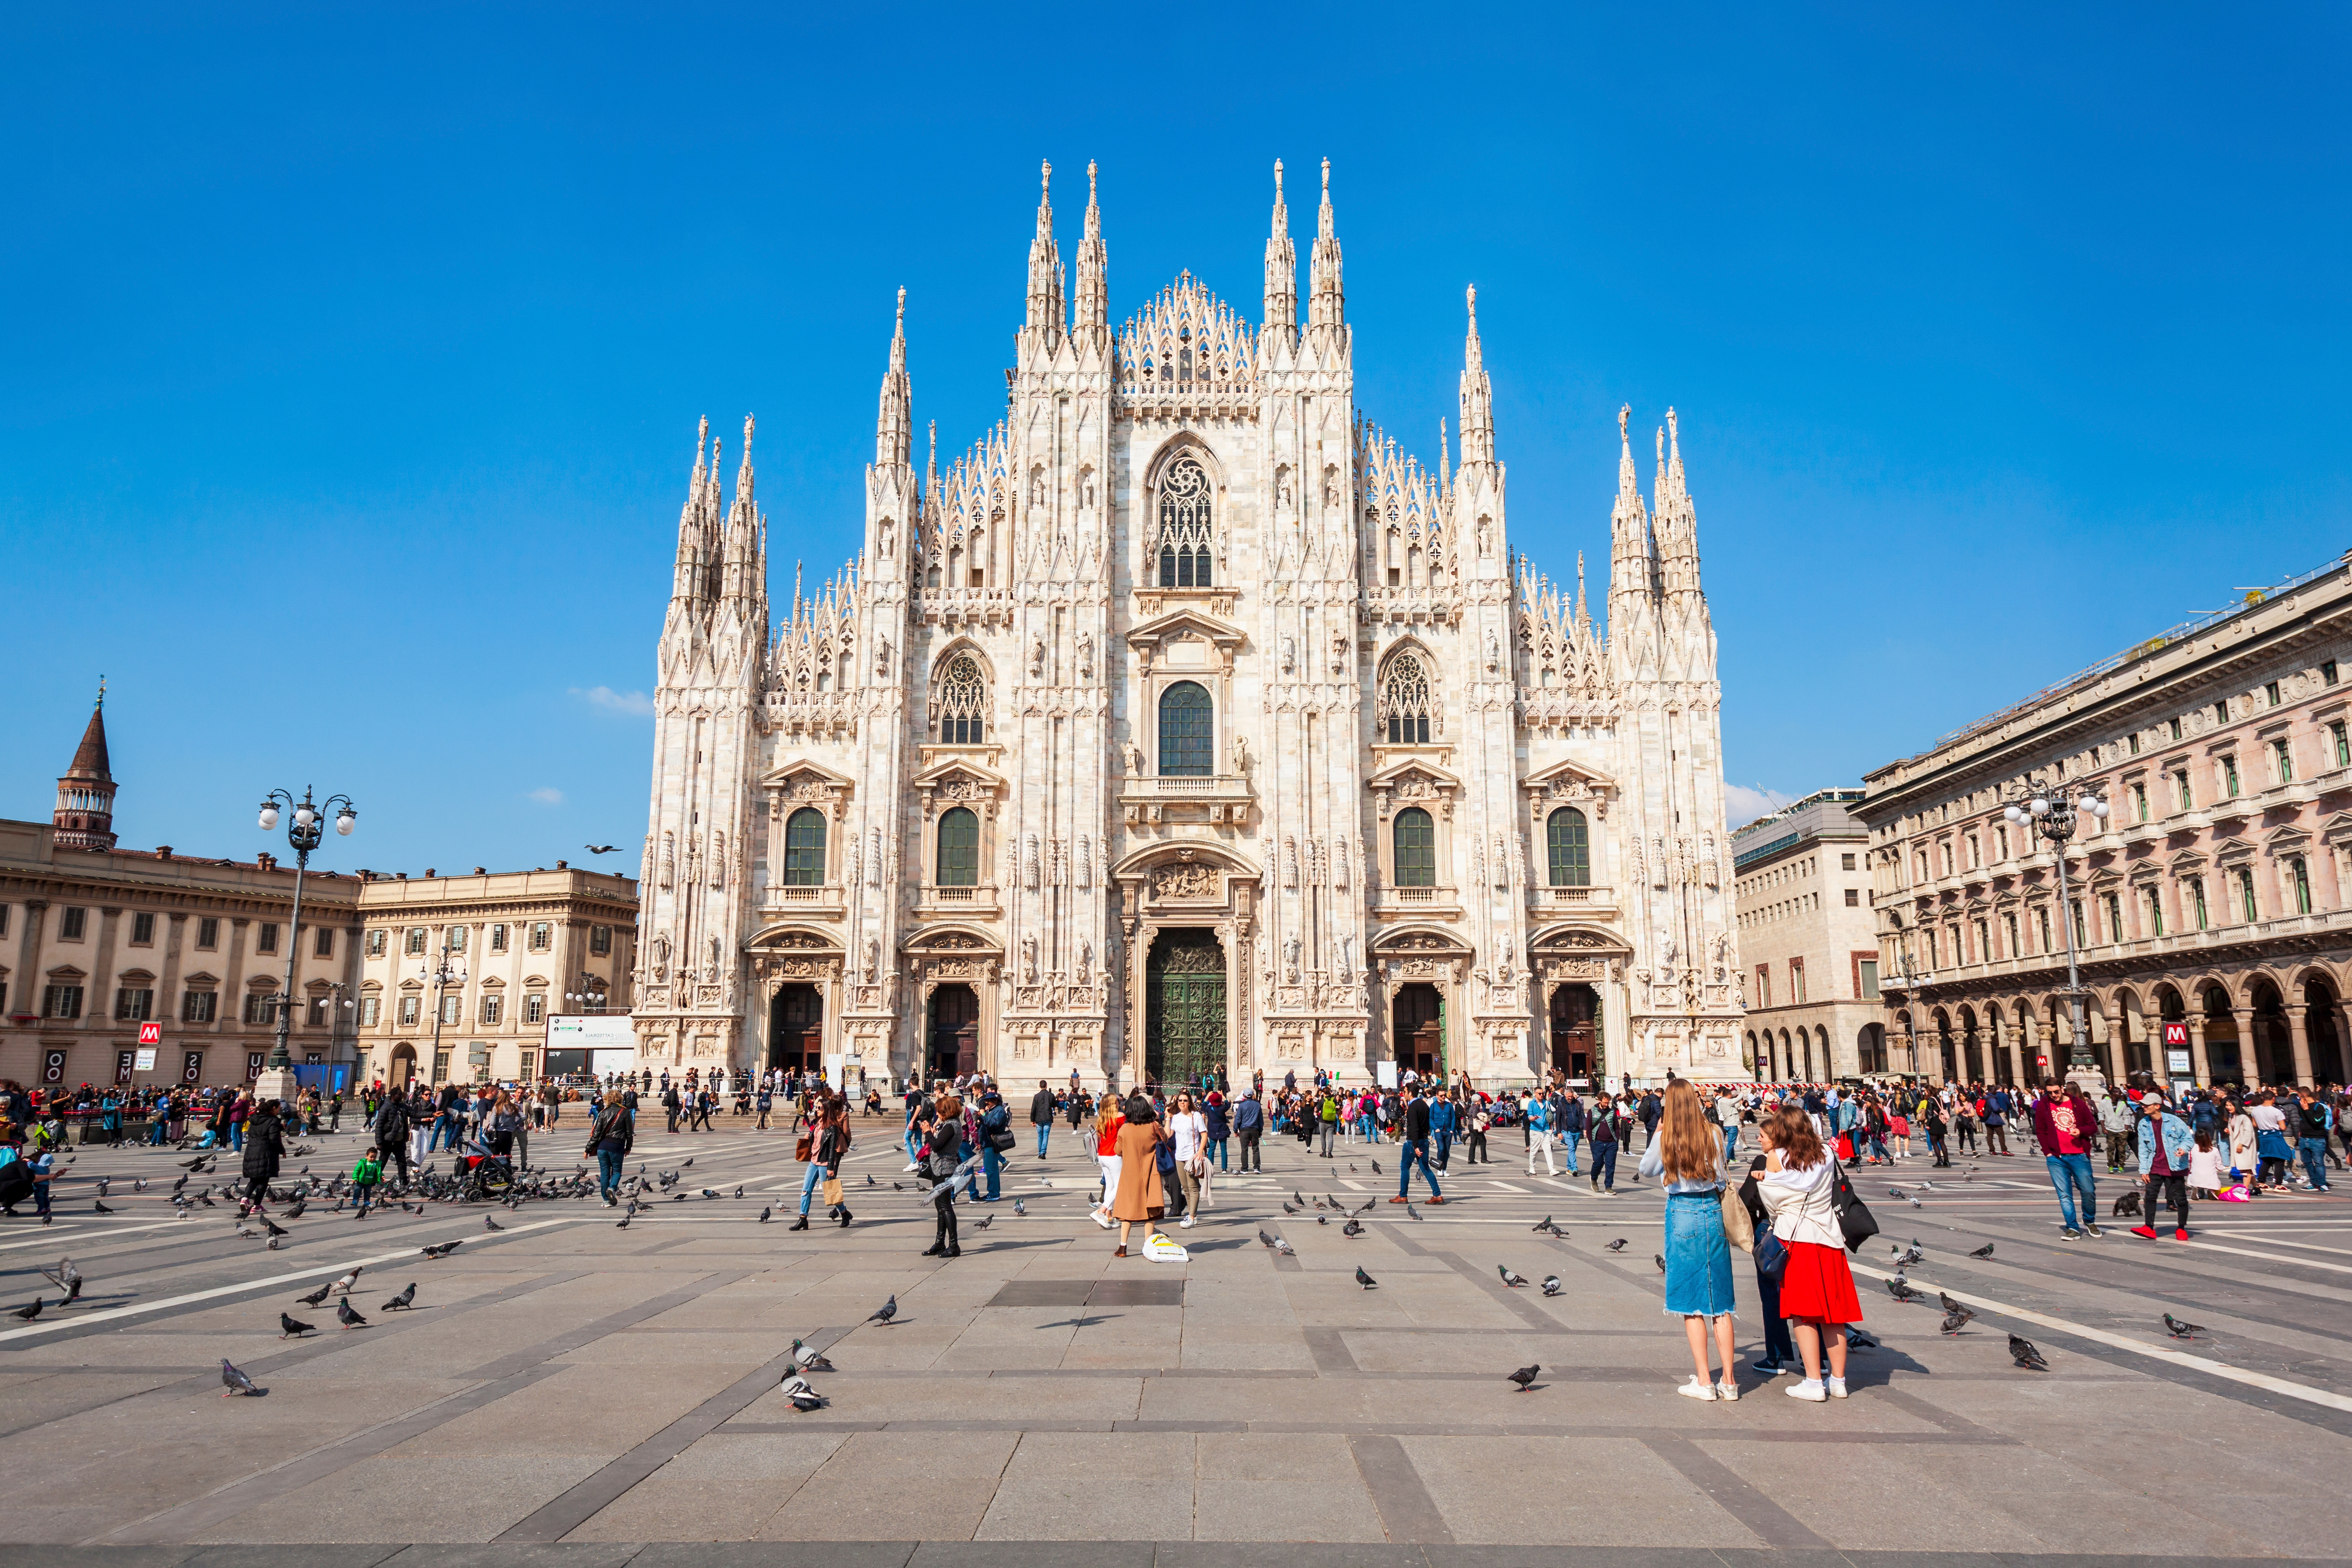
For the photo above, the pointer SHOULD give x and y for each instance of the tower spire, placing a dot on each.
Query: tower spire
(84, 817)
(1477, 396)
(1094, 304)
(1045, 265)
(1326, 306)
(695, 523)
(1444, 460)
(1629, 560)
(894, 424)
(1281, 267)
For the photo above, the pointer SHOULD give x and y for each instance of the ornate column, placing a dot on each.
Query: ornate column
(2200, 1067)
(2298, 1031)
(2249, 1060)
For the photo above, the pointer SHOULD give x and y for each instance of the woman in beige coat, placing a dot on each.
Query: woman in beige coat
(1140, 1199)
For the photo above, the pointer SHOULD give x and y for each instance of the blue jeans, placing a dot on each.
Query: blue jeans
(1444, 1140)
(991, 1164)
(2314, 1160)
(1412, 1152)
(2071, 1173)
(608, 1170)
(1217, 1152)
(156, 1129)
(811, 1180)
(1731, 1142)
(1045, 1132)
(236, 1136)
(1567, 1141)
(1778, 1346)
(1605, 1166)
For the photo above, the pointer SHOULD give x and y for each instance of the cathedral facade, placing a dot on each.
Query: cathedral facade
(1183, 722)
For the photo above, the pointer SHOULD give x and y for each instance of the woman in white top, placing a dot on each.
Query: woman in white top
(1817, 1293)
(1190, 1130)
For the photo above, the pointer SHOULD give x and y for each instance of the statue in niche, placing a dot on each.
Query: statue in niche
(881, 654)
(873, 960)
(1290, 959)
(1085, 654)
(1241, 754)
(1029, 959)
(1134, 759)
(1289, 656)
(661, 954)
(1085, 963)
(1036, 655)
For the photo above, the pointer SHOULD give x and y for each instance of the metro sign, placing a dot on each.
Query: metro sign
(150, 1034)
(2176, 1036)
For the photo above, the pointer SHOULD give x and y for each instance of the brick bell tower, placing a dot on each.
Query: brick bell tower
(85, 812)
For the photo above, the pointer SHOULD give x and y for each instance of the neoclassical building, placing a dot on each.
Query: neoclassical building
(1187, 721)
(2215, 897)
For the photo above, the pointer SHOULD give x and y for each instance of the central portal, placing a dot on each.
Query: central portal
(1184, 1028)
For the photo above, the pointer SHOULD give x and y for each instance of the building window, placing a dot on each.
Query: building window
(1935, 950)
(1797, 981)
(2082, 930)
(1185, 526)
(2009, 923)
(600, 941)
(324, 944)
(1854, 898)
(1187, 731)
(2139, 802)
(3, 919)
(2180, 782)
(1946, 847)
(2221, 712)
(2299, 878)
(452, 1010)
(411, 1008)
(1846, 862)
(2336, 732)
(142, 931)
(1568, 848)
(963, 701)
(1866, 978)
(2000, 844)
(375, 943)
(2230, 777)
(498, 937)
(371, 1011)
(2246, 896)
(959, 848)
(321, 1012)
(1404, 701)
(530, 1058)
(1984, 943)
(2115, 908)
(2272, 692)
(2328, 673)
(804, 852)
(534, 1007)
(133, 1004)
(2041, 927)
(72, 924)
(455, 938)
(493, 1008)
(266, 941)
(1763, 985)
(2155, 912)
(2134, 746)
(260, 1007)
(416, 941)
(2176, 729)
(2196, 886)
(199, 1007)
(1416, 848)
(2284, 756)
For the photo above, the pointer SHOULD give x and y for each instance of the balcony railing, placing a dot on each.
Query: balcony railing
(1588, 894)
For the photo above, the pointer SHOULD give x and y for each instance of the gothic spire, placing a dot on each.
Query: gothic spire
(687, 583)
(1045, 265)
(1094, 304)
(1326, 306)
(1281, 267)
(1444, 460)
(1477, 396)
(1629, 530)
(894, 424)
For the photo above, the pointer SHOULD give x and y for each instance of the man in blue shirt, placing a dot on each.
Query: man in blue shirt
(1539, 1135)
(1996, 1122)
(1568, 1124)
(1441, 1127)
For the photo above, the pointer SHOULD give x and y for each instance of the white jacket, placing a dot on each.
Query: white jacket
(1798, 1203)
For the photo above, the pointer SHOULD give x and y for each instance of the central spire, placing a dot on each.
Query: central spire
(1327, 307)
(894, 426)
(1093, 287)
(1045, 315)
(1477, 396)
(1281, 267)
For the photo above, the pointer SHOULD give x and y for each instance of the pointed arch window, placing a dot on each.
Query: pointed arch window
(1404, 701)
(1184, 525)
(1416, 848)
(959, 864)
(1187, 731)
(804, 848)
(964, 698)
(1568, 844)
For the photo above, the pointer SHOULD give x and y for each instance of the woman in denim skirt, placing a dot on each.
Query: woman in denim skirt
(1687, 1155)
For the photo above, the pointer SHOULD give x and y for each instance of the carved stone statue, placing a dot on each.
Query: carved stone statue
(1290, 959)
(1085, 654)
(1240, 753)
(1493, 652)
(873, 960)
(661, 954)
(1668, 951)
(1036, 655)
(1134, 760)
(881, 654)
(1290, 655)
(1029, 959)
(1085, 963)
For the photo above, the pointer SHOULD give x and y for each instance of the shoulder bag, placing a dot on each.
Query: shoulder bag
(1855, 1222)
(1738, 1229)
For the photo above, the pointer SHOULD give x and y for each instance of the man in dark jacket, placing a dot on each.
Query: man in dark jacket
(1249, 1121)
(1040, 1115)
(1568, 1124)
(392, 1127)
(265, 1146)
(1412, 1132)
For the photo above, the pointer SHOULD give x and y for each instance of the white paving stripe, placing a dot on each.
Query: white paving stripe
(2261, 1380)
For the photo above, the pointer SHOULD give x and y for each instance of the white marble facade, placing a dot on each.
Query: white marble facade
(1187, 719)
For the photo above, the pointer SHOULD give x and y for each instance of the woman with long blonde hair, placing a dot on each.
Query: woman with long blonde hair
(1688, 1154)
(1109, 1117)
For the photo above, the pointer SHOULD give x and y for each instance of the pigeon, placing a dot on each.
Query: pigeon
(2180, 1330)
(688, 1164)
(1543, 1225)
(1282, 1247)
(1289, 1208)
(29, 1312)
(1412, 1210)
(600, 849)
(898, 1187)
(889, 1310)
(248, 1231)
(870, 1181)
(986, 1221)
(1984, 1252)
(403, 1301)
(1366, 1281)
(766, 1213)
(1296, 1199)
(1660, 1259)
(709, 1193)
(65, 1278)
(192, 1165)
(1858, 1340)
(808, 1358)
(1354, 1227)
(442, 1249)
(2022, 1352)
(1916, 1204)
(235, 1382)
(1019, 1209)
(1944, 1298)
(104, 1183)
(99, 1205)
(274, 1228)
(294, 1209)
(344, 1287)
(1376, 1167)
(345, 1316)
(1263, 1239)
(1896, 1193)
(1322, 1219)
(623, 1224)
(1370, 1205)
(1513, 1281)
(809, 1401)
(1524, 1377)
(795, 1383)
(1900, 1289)
(489, 1223)
(1617, 1245)
(1906, 1256)
(293, 1328)
(1957, 1319)
(1551, 1285)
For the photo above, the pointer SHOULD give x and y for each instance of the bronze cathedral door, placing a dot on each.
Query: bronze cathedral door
(1184, 982)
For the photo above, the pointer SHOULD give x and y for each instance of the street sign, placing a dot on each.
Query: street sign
(192, 1067)
(2176, 1062)
(53, 1067)
(144, 1060)
(150, 1034)
(122, 1065)
(2175, 1036)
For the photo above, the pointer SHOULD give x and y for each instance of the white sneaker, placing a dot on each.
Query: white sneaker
(1100, 1218)
(1810, 1389)
(1695, 1389)
(1728, 1392)
(912, 1167)
(1837, 1388)
(1184, 1224)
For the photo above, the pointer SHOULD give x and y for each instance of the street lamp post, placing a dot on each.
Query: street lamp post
(302, 834)
(2054, 814)
(443, 974)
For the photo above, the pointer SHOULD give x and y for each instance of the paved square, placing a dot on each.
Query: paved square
(565, 1391)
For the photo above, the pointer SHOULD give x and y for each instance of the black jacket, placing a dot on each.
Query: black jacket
(265, 1146)
(1416, 1120)
(1041, 1108)
(392, 1123)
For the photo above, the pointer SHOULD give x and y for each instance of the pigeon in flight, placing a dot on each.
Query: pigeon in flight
(65, 1278)
(1984, 1252)
(489, 1223)
(1617, 1245)
(293, 1328)
(345, 1316)
(1513, 1281)
(29, 1312)
(808, 1358)
(1524, 1377)
(403, 1301)
(2180, 1330)
(2022, 1352)
(1551, 1285)
(889, 1310)
(235, 1382)
(600, 849)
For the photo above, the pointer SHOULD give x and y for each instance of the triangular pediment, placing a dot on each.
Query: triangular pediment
(1567, 771)
(1185, 621)
(1411, 768)
(802, 771)
(959, 770)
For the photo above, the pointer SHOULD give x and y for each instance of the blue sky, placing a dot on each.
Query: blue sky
(354, 354)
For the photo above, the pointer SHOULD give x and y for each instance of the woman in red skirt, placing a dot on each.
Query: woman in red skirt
(1816, 1288)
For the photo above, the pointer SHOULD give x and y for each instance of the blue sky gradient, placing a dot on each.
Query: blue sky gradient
(355, 353)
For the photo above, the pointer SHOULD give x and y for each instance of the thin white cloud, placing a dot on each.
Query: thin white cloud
(546, 795)
(1743, 805)
(634, 703)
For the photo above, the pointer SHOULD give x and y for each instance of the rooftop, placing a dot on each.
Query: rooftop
(1823, 811)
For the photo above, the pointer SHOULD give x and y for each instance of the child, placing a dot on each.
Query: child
(2205, 1168)
(45, 1166)
(365, 1177)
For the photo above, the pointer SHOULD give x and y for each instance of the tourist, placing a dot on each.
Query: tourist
(1249, 1121)
(2271, 1146)
(2205, 1168)
(942, 1158)
(1041, 1116)
(1326, 1117)
(1215, 1111)
(828, 1142)
(2119, 1120)
(1816, 1286)
(1779, 1350)
(1140, 1198)
(1727, 1111)
(2311, 1137)
(1414, 1135)
(2064, 1122)
(1190, 1132)
(1538, 1131)
(2165, 1144)
(1606, 1129)
(1688, 1159)
(393, 1129)
(1110, 1116)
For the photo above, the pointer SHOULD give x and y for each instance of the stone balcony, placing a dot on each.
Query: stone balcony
(1591, 899)
(1389, 903)
(816, 902)
(1207, 797)
(976, 900)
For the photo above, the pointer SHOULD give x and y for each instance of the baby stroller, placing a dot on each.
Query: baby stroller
(484, 1175)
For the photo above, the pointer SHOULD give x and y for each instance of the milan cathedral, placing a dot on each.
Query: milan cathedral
(1186, 723)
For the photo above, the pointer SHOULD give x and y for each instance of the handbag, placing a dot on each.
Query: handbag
(1855, 1222)
(802, 1147)
(833, 1192)
(1739, 1225)
(1771, 1256)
